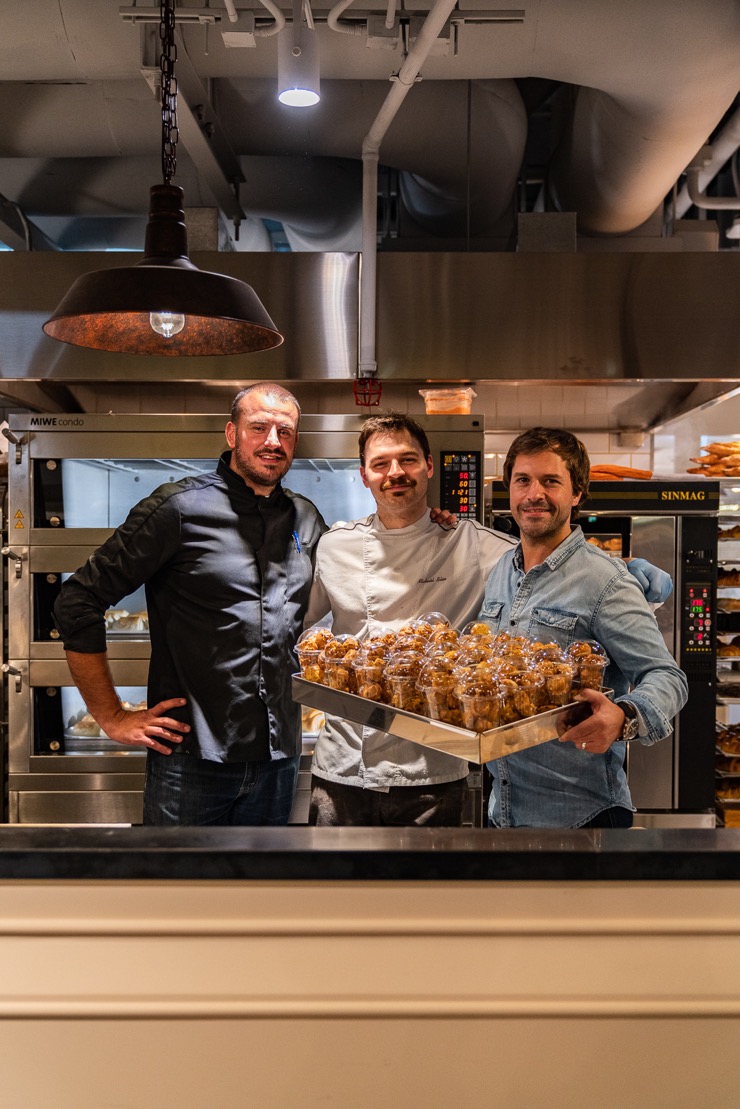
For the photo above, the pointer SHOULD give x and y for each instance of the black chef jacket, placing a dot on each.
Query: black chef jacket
(227, 576)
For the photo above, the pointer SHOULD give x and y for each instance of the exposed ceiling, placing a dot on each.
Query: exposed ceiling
(592, 106)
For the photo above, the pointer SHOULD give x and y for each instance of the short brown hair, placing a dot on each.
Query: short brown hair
(270, 389)
(562, 443)
(389, 424)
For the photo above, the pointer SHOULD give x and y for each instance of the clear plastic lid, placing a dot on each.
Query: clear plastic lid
(478, 629)
(410, 642)
(404, 665)
(429, 623)
(437, 672)
(314, 639)
(340, 645)
(583, 648)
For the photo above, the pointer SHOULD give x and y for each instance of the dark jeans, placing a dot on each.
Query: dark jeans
(180, 789)
(616, 817)
(439, 806)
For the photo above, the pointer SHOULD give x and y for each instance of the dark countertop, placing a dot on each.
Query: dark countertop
(367, 854)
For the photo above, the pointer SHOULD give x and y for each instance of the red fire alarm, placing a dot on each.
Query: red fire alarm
(367, 391)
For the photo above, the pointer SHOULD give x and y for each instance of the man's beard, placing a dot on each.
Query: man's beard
(548, 524)
(262, 477)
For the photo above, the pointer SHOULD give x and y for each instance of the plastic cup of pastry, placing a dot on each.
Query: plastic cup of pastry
(558, 681)
(311, 663)
(369, 681)
(437, 682)
(405, 694)
(523, 694)
(401, 676)
(480, 701)
(591, 672)
(338, 674)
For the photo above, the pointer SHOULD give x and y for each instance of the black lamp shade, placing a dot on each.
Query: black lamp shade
(110, 309)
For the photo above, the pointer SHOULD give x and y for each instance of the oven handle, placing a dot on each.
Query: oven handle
(19, 558)
(18, 441)
(8, 669)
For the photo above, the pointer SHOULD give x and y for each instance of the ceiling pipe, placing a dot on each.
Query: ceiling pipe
(343, 26)
(700, 199)
(721, 150)
(271, 28)
(403, 81)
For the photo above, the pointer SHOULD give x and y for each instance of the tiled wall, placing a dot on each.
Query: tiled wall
(602, 446)
(507, 408)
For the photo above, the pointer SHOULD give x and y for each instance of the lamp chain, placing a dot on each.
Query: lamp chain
(167, 58)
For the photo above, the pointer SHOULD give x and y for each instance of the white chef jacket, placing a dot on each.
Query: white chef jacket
(371, 577)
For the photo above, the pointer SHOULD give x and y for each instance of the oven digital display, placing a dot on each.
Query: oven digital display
(460, 483)
(698, 615)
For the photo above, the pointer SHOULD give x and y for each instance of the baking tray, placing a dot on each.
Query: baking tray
(478, 747)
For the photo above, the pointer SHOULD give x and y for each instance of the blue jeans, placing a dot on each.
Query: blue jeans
(180, 789)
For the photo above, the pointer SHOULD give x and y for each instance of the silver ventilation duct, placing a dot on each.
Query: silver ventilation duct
(595, 106)
(639, 89)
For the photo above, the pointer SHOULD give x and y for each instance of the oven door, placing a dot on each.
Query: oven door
(61, 768)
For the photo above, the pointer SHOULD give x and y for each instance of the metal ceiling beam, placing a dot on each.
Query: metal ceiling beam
(142, 15)
(200, 128)
(18, 232)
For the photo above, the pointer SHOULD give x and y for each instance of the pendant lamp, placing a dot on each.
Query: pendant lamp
(164, 304)
(299, 77)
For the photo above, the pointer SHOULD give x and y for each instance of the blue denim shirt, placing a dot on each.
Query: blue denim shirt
(580, 593)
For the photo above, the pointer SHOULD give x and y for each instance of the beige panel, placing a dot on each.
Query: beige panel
(362, 994)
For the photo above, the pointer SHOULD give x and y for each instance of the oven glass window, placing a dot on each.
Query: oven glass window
(64, 726)
(99, 492)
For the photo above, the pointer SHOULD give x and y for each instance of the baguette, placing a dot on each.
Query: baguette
(723, 449)
(621, 472)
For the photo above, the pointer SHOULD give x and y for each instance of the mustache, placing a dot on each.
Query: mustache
(397, 483)
(277, 452)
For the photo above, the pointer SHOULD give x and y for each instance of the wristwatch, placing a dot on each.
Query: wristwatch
(631, 721)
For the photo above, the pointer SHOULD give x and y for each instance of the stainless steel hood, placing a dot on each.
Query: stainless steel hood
(595, 341)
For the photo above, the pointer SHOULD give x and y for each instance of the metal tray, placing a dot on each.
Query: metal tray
(476, 747)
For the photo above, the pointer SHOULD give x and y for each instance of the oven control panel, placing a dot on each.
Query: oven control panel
(698, 617)
(461, 483)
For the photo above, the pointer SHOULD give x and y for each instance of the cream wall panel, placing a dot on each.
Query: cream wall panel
(267, 994)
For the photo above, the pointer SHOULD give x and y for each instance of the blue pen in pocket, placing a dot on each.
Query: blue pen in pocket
(297, 542)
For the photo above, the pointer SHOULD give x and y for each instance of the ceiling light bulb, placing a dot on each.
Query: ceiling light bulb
(166, 324)
(298, 98)
(298, 66)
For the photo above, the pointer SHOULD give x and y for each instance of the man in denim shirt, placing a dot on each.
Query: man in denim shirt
(554, 586)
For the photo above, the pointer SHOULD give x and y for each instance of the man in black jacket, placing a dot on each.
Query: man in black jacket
(227, 561)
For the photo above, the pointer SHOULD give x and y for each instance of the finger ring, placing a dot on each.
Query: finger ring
(583, 746)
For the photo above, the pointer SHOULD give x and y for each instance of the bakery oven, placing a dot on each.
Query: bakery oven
(71, 480)
(673, 525)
